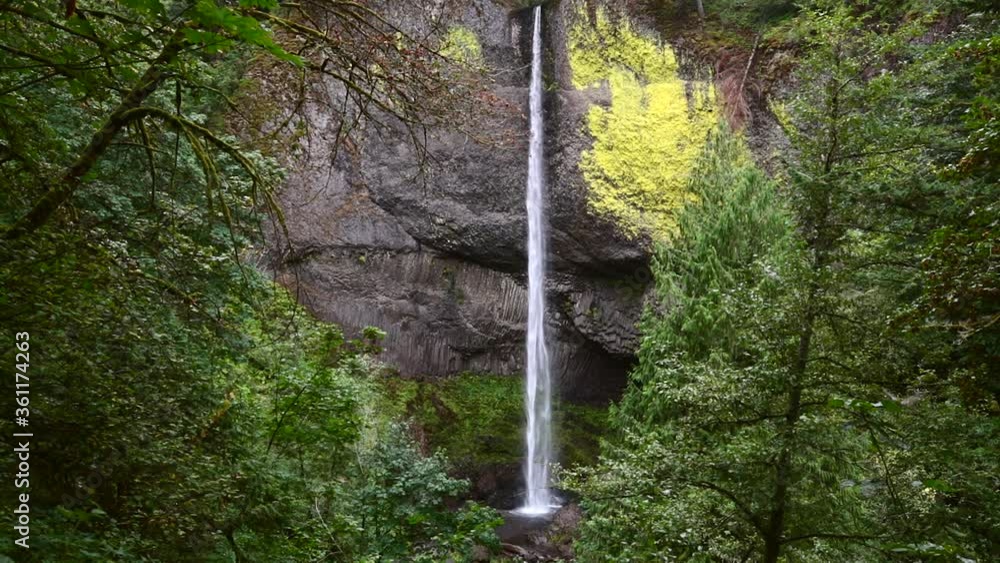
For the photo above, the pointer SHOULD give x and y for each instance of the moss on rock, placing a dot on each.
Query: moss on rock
(647, 141)
(478, 420)
(462, 45)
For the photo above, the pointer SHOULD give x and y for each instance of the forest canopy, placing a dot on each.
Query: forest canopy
(191, 409)
(818, 367)
(818, 374)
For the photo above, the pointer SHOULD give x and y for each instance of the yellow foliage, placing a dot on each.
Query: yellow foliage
(462, 45)
(780, 112)
(646, 143)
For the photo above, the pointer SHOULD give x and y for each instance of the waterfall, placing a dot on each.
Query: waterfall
(538, 385)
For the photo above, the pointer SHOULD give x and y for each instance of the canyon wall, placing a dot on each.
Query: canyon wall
(429, 245)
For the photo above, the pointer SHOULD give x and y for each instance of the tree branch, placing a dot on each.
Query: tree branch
(63, 188)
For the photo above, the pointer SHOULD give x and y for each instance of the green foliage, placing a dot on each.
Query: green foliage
(981, 117)
(230, 27)
(690, 416)
(747, 13)
(398, 506)
(173, 435)
(191, 410)
(816, 379)
(477, 420)
(131, 74)
(733, 236)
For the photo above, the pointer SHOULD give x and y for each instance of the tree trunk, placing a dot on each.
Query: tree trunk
(701, 9)
(62, 189)
(237, 552)
(822, 245)
(776, 521)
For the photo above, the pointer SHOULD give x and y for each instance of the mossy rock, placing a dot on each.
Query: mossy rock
(647, 141)
(478, 419)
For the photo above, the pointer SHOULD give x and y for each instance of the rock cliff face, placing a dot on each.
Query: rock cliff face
(432, 250)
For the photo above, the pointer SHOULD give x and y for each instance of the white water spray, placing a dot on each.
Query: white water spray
(538, 386)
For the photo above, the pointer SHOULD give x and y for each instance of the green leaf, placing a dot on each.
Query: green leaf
(151, 7)
(262, 4)
(939, 485)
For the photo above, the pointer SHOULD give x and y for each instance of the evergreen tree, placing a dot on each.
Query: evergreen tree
(780, 409)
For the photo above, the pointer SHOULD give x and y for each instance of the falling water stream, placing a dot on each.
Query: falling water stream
(538, 385)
